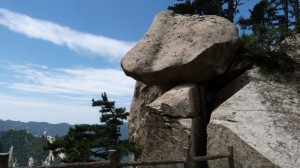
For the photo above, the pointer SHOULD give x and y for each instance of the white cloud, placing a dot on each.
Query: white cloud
(2, 83)
(78, 81)
(64, 36)
(40, 93)
(25, 109)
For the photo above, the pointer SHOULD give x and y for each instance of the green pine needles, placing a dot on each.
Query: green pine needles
(270, 27)
(88, 143)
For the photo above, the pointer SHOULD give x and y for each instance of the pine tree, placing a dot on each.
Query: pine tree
(1, 148)
(295, 13)
(183, 8)
(87, 143)
(264, 14)
(208, 7)
(230, 13)
(269, 29)
(285, 7)
(113, 118)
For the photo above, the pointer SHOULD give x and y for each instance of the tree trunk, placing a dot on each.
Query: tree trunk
(297, 18)
(219, 5)
(286, 13)
(230, 10)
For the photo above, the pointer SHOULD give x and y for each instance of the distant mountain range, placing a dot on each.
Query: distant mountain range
(27, 140)
(22, 145)
(36, 128)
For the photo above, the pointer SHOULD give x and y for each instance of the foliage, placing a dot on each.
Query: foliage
(265, 45)
(25, 145)
(266, 49)
(269, 13)
(87, 143)
(183, 8)
(1, 148)
(264, 14)
(208, 7)
(2, 133)
(296, 15)
(113, 118)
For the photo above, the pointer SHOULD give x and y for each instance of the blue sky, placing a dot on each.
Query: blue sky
(56, 57)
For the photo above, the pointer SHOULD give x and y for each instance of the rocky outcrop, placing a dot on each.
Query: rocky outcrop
(182, 48)
(181, 101)
(165, 119)
(159, 137)
(193, 97)
(260, 120)
(143, 95)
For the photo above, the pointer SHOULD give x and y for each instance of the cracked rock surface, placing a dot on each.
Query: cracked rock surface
(181, 101)
(261, 121)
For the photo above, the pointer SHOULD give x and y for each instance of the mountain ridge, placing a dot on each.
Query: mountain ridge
(36, 128)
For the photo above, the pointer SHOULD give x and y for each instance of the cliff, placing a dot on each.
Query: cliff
(194, 92)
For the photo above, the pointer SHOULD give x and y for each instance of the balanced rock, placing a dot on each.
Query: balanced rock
(260, 120)
(181, 101)
(182, 48)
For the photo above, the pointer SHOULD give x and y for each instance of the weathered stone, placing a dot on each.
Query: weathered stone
(159, 137)
(231, 89)
(295, 53)
(143, 95)
(166, 139)
(182, 48)
(261, 121)
(182, 101)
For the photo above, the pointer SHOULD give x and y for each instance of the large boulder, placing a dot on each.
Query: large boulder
(182, 101)
(143, 95)
(260, 117)
(182, 48)
(160, 137)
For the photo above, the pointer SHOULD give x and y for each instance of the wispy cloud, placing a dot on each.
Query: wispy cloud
(40, 93)
(78, 81)
(63, 36)
(26, 109)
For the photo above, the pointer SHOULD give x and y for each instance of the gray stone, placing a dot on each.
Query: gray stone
(261, 121)
(180, 48)
(159, 137)
(295, 53)
(182, 101)
(143, 95)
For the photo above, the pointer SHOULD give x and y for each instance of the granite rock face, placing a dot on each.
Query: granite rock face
(261, 120)
(182, 48)
(159, 137)
(188, 76)
(295, 53)
(143, 95)
(181, 101)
